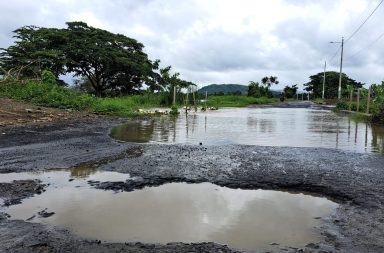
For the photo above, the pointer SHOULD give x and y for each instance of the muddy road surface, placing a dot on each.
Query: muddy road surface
(353, 180)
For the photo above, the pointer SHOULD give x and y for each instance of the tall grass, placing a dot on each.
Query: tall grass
(237, 101)
(126, 106)
(44, 94)
(50, 95)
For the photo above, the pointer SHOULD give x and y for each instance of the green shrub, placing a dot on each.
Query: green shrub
(342, 105)
(174, 111)
(47, 94)
(48, 78)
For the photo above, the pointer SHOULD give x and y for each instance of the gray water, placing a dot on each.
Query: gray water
(243, 219)
(292, 127)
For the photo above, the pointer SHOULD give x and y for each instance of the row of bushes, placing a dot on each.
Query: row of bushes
(376, 106)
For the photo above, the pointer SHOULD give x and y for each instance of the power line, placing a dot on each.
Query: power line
(365, 21)
(334, 55)
(368, 46)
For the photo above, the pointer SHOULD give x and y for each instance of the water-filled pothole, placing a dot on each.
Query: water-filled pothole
(176, 212)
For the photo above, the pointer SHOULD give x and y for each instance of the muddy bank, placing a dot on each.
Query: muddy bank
(15, 113)
(13, 193)
(39, 238)
(354, 180)
(294, 104)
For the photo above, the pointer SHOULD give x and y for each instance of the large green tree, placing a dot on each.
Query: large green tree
(315, 85)
(113, 63)
(290, 91)
(257, 90)
(35, 49)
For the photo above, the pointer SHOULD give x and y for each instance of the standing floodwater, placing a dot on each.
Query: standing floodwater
(298, 127)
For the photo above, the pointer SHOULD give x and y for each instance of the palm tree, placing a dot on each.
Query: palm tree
(268, 81)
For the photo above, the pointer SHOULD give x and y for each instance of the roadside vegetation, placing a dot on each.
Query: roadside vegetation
(350, 91)
(114, 75)
(238, 101)
(375, 97)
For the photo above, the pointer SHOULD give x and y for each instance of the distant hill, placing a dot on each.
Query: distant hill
(213, 89)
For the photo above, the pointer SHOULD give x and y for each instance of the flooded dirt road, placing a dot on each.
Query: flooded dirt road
(293, 127)
(354, 180)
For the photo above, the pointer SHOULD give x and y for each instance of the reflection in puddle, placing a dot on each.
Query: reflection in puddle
(244, 219)
(266, 127)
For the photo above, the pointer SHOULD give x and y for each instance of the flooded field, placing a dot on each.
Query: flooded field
(298, 127)
(244, 219)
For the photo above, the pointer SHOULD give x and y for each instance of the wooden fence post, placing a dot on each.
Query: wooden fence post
(174, 95)
(368, 99)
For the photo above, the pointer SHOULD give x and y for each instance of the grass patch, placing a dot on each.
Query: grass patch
(360, 117)
(237, 101)
(319, 101)
(50, 95)
(126, 106)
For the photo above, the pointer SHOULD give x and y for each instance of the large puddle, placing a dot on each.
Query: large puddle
(243, 219)
(252, 126)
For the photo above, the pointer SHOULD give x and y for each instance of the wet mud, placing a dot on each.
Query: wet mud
(13, 193)
(354, 180)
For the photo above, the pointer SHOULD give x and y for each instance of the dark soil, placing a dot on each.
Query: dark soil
(355, 181)
(13, 193)
(14, 113)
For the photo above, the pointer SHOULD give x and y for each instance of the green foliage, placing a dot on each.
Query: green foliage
(378, 102)
(125, 106)
(290, 91)
(319, 101)
(315, 85)
(113, 63)
(376, 107)
(268, 81)
(48, 78)
(46, 94)
(237, 101)
(359, 117)
(258, 91)
(347, 105)
(174, 111)
(342, 105)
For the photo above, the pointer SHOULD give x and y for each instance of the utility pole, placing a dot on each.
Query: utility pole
(325, 67)
(341, 66)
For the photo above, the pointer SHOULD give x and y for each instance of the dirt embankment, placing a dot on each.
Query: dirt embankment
(354, 180)
(14, 113)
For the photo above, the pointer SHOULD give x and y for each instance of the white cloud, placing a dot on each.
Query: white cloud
(226, 41)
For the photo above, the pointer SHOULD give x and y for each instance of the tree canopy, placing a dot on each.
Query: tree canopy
(112, 63)
(257, 90)
(290, 91)
(263, 90)
(268, 81)
(315, 85)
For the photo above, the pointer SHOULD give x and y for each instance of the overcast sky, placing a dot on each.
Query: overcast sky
(227, 41)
